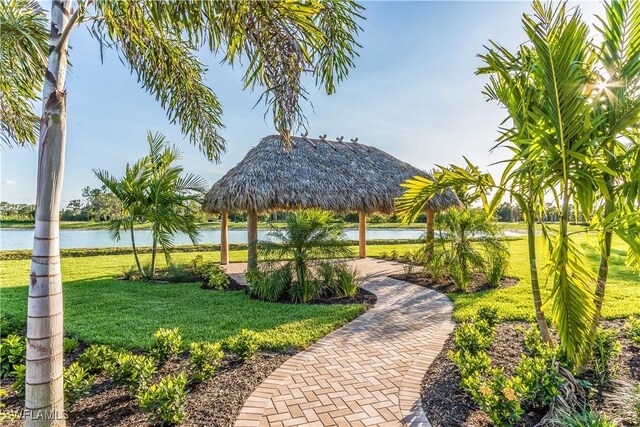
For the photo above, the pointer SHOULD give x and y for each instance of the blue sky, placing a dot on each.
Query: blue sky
(413, 94)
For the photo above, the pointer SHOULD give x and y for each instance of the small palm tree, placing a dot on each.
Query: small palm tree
(466, 236)
(168, 196)
(130, 191)
(307, 237)
(155, 190)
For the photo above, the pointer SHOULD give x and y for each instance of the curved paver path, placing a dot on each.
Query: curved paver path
(368, 372)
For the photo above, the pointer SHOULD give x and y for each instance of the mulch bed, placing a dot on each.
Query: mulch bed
(447, 405)
(212, 403)
(445, 284)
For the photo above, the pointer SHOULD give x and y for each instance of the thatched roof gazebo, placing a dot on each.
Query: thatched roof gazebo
(314, 173)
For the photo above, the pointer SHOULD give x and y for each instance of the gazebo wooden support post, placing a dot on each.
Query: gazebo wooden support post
(252, 231)
(224, 238)
(430, 232)
(362, 235)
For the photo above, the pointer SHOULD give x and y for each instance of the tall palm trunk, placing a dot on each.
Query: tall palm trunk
(603, 271)
(535, 284)
(135, 250)
(154, 252)
(44, 396)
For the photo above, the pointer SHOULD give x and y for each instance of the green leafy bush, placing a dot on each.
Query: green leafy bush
(204, 360)
(489, 315)
(244, 345)
(495, 267)
(165, 402)
(69, 345)
(6, 416)
(497, 395)
(13, 351)
(167, 344)
(12, 325)
(532, 340)
(606, 350)
(77, 384)
(469, 337)
(540, 377)
(201, 267)
(19, 375)
(633, 330)
(270, 286)
(97, 358)
(470, 364)
(216, 279)
(132, 371)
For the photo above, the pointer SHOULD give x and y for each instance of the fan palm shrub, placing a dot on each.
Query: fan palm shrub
(468, 237)
(308, 238)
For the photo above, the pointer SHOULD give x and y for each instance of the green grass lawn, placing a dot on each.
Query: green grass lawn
(100, 309)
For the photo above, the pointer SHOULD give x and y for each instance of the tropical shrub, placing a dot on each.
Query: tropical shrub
(489, 315)
(165, 402)
(69, 345)
(13, 351)
(436, 264)
(132, 371)
(77, 384)
(97, 358)
(204, 360)
(469, 363)
(12, 325)
(201, 267)
(470, 338)
(533, 343)
(495, 267)
(346, 281)
(19, 374)
(129, 273)
(606, 350)
(308, 238)
(460, 277)
(540, 377)
(269, 286)
(633, 330)
(244, 345)
(497, 395)
(167, 344)
(216, 279)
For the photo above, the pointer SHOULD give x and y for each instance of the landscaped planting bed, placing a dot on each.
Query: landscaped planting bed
(448, 405)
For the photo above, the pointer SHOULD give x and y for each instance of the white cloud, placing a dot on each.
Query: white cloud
(9, 182)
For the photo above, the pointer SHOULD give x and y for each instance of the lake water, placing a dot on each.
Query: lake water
(11, 239)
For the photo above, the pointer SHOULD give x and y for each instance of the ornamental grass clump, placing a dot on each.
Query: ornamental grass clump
(606, 351)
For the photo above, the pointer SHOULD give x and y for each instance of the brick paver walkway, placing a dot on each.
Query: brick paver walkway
(368, 372)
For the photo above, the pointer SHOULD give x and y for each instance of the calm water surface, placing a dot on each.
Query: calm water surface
(23, 239)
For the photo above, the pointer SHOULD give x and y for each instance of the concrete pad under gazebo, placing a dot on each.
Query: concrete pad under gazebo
(311, 173)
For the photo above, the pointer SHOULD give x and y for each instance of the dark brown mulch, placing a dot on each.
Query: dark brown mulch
(445, 284)
(213, 403)
(447, 405)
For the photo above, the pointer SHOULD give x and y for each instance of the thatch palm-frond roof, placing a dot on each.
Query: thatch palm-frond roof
(316, 173)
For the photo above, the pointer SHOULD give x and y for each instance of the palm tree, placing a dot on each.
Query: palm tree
(280, 41)
(461, 230)
(168, 195)
(308, 236)
(130, 191)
